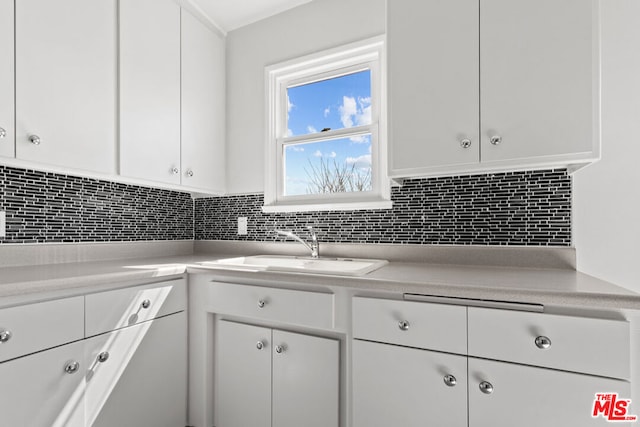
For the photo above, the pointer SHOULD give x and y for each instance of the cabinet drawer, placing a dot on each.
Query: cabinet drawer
(413, 324)
(30, 328)
(107, 311)
(283, 305)
(593, 346)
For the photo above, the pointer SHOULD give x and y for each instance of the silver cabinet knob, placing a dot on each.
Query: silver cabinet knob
(103, 357)
(450, 380)
(146, 304)
(279, 349)
(190, 173)
(175, 171)
(465, 143)
(486, 387)
(3, 133)
(543, 342)
(35, 139)
(404, 325)
(262, 303)
(496, 140)
(5, 335)
(72, 367)
(259, 345)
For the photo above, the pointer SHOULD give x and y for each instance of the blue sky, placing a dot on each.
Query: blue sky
(338, 103)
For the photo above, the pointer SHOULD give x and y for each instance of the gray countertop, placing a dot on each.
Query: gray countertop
(548, 286)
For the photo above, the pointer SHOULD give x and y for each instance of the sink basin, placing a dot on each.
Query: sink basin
(334, 266)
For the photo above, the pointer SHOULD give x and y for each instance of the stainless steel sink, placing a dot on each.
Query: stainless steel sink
(331, 266)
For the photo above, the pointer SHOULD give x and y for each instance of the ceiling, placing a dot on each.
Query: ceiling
(232, 14)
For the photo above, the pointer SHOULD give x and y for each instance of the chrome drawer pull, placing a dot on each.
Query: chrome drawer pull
(259, 345)
(280, 349)
(404, 325)
(146, 304)
(103, 357)
(5, 335)
(262, 303)
(486, 387)
(71, 367)
(543, 342)
(450, 380)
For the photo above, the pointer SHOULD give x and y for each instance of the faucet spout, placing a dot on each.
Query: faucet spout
(314, 247)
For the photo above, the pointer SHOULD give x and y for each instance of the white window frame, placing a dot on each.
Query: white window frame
(364, 55)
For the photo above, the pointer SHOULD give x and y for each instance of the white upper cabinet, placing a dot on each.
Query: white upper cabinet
(66, 83)
(525, 80)
(539, 81)
(433, 85)
(150, 90)
(7, 135)
(203, 106)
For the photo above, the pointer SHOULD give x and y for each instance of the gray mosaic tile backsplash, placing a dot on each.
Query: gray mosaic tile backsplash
(46, 208)
(518, 208)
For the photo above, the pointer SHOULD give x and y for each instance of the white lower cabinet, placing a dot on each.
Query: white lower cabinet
(401, 386)
(505, 395)
(45, 389)
(137, 376)
(267, 377)
(520, 369)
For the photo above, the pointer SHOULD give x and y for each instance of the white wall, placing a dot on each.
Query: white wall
(607, 194)
(315, 26)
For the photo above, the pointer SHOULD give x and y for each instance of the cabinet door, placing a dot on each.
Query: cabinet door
(400, 386)
(525, 396)
(136, 376)
(36, 391)
(66, 83)
(7, 136)
(433, 94)
(306, 382)
(243, 376)
(203, 106)
(150, 90)
(539, 80)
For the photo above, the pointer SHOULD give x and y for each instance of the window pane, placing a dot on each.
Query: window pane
(333, 166)
(337, 103)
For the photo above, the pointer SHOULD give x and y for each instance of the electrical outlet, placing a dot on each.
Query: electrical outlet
(242, 226)
(3, 224)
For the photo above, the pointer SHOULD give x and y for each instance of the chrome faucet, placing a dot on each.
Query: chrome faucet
(314, 247)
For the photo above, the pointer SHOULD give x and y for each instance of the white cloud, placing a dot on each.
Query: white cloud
(354, 112)
(361, 162)
(364, 117)
(289, 133)
(297, 148)
(331, 155)
(311, 129)
(361, 139)
(290, 105)
(348, 110)
(327, 111)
